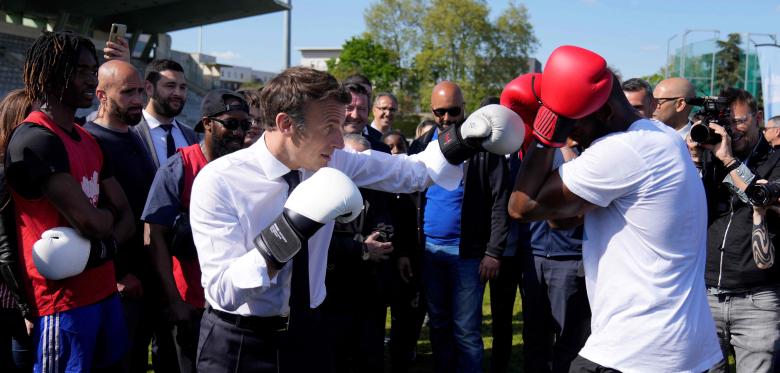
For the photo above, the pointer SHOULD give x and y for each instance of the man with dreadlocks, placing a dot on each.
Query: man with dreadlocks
(67, 203)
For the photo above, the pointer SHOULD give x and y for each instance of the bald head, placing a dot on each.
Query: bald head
(121, 94)
(671, 108)
(117, 71)
(447, 104)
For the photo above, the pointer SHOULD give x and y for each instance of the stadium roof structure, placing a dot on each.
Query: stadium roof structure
(151, 16)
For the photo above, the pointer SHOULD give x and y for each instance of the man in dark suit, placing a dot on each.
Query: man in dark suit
(356, 120)
(162, 134)
(166, 88)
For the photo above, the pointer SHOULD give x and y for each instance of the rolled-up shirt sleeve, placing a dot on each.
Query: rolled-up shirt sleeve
(399, 173)
(231, 269)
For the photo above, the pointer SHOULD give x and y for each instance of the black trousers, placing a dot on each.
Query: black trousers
(407, 311)
(556, 314)
(583, 365)
(224, 347)
(185, 339)
(503, 291)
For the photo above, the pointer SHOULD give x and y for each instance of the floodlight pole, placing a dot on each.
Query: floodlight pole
(747, 52)
(287, 24)
(668, 44)
(682, 57)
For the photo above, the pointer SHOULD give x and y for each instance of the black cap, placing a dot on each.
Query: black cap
(214, 104)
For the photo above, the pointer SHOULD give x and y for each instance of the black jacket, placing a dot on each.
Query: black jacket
(484, 218)
(9, 250)
(374, 137)
(731, 266)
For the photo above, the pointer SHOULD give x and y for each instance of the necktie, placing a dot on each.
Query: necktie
(169, 143)
(299, 285)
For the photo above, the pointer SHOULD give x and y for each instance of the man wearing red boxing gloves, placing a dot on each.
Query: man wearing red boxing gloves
(645, 233)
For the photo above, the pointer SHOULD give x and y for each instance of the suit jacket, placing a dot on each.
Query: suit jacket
(374, 137)
(143, 130)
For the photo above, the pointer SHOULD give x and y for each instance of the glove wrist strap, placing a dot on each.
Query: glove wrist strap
(453, 147)
(279, 242)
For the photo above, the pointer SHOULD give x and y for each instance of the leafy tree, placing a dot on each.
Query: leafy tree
(727, 62)
(513, 41)
(397, 25)
(453, 40)
(362, 55)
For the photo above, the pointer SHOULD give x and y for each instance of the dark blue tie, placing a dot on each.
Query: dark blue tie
(299, 285)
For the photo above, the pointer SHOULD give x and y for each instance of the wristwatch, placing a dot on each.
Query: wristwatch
(366, 255)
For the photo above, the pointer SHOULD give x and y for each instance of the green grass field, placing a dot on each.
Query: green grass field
(424, 362)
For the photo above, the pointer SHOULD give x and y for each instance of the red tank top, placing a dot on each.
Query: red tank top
(186, 272)
(33, 217)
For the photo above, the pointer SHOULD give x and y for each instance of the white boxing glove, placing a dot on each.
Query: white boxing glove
(493, 128)
(326, 196)
(60, 253)
(501, 127)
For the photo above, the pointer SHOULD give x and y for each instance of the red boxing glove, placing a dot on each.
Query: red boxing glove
(576, 83)
(519, 96)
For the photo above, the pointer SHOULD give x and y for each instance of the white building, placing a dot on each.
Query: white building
(316, 58)
(232, 77)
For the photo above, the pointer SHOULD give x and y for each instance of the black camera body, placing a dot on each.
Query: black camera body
(386, 232)
(763, 194)
(714, 109)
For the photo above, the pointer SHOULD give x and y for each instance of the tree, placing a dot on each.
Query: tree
(396, 24)
(453, 40)
(513, 41)
(727, 62)
(362, 55)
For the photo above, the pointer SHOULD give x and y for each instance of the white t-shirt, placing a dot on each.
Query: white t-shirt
(644, 252)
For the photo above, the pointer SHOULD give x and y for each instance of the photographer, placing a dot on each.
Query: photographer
(743, 288)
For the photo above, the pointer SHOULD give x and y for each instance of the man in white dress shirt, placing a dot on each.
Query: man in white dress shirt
(236, 197)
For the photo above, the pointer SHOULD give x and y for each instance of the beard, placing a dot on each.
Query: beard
(124, 115)
(163, 106)
(225, 145)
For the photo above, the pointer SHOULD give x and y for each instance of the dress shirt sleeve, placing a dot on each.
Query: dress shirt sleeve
(231, 270)
(399, 173)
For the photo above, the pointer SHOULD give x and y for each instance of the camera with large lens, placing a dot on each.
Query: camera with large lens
(763, 194)
(714, 109)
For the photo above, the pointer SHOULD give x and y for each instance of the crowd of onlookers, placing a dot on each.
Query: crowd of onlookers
(122, 178)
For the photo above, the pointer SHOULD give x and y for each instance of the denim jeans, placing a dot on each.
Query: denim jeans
(748, 323)
(453, 293)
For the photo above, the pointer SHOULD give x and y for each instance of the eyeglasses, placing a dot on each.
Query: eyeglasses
(743, 120)
(453, 111)
(661, 101)
(233, 124)
(387, 109)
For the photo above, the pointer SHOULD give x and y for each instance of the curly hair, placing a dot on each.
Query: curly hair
(50, 63)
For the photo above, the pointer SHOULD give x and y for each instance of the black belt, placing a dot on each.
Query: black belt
(255, 323)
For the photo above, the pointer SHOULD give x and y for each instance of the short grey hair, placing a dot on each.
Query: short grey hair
(385, 94)
(357, 138)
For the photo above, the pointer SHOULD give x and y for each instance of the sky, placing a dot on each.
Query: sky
(632, 35)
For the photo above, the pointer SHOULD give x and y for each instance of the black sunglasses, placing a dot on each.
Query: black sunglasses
(233, 124)
(453, 111)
